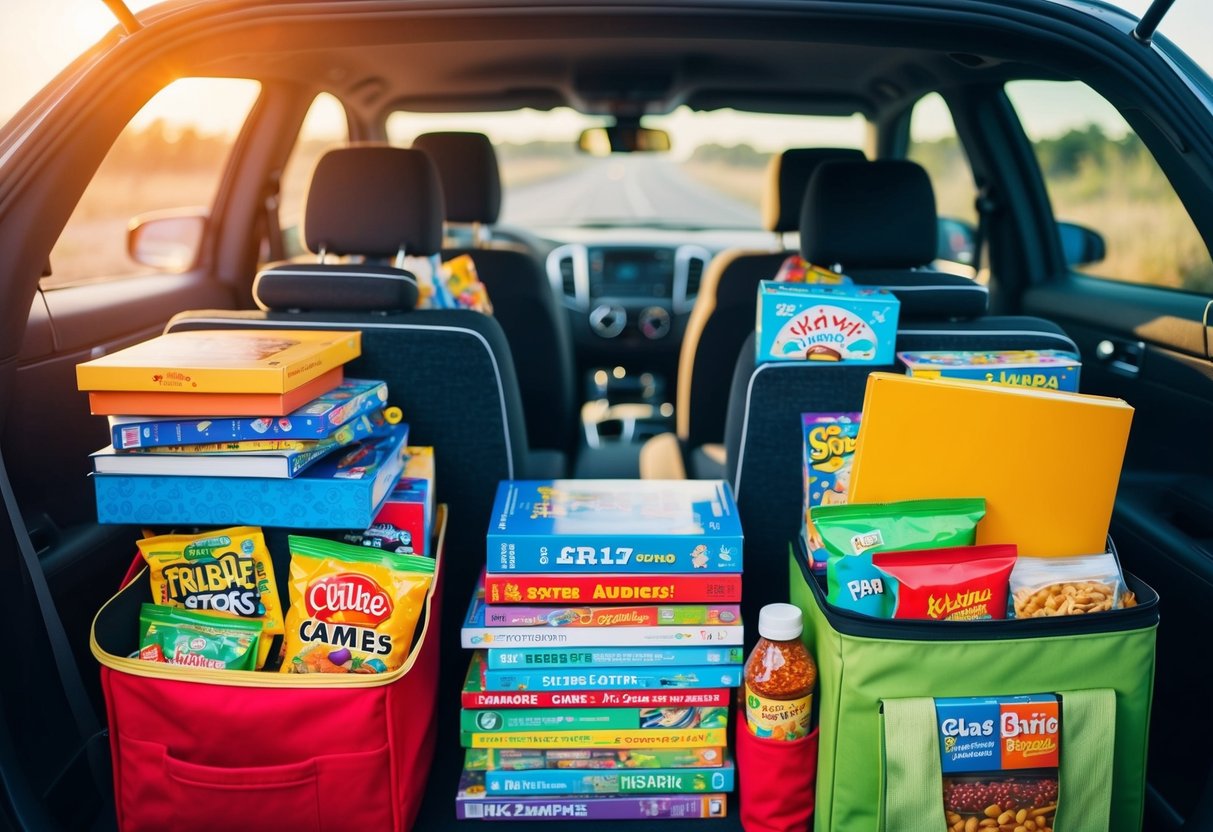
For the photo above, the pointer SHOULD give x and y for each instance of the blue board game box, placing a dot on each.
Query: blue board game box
(1046, 369)
(610, 781)
(341, 491)
(614, 526)
(315, 420)
(808, 322)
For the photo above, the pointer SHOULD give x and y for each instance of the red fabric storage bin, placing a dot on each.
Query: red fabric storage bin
(777, 781)
(225, 750)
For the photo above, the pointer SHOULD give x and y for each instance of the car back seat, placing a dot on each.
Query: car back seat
(450, 371)
(523, 301)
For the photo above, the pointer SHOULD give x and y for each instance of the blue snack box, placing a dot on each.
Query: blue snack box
(997, 733)
(798, 322)
(614, 526)
(315, 420)
(1046, 369)
(829, 445)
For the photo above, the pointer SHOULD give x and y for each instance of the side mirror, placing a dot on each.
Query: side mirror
(955, 241)
(167, 240)
(1082, 246)
(623, 138)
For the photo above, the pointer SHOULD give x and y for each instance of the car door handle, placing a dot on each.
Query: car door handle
(1121, 356)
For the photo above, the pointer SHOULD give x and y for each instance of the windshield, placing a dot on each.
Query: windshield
(713, 176)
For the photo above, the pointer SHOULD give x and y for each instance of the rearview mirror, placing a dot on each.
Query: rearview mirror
(167, 240)
(623, 138)
(1082, 246)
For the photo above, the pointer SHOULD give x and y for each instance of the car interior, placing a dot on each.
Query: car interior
(622, 281)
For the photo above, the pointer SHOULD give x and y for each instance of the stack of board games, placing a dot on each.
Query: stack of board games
(607, 636)
(243, 427)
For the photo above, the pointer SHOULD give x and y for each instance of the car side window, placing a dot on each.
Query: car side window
(1118, 216)
(170, 157)
(935, 145)
(325, 126)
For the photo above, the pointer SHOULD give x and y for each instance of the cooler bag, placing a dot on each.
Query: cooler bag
(205, 750)
(879, 761)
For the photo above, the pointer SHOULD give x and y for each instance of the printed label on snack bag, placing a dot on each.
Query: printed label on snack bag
(863, 541)
(781, 719)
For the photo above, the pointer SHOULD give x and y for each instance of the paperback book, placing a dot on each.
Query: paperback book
(508, 658)
(605, 738)
(206, 405)
(611, 781)
(504, 615)
(612, 589)
(317, 419)
(718, 676)
(473, 803)
(581, 719)
(614, 526)
(593, 759)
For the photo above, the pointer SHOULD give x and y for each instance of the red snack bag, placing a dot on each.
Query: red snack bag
(964, 583)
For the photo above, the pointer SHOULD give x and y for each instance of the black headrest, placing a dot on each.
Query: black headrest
(788, 175)
(869, 215)
(374, 201)
(930, 295)
(467, 167)
(359, 287)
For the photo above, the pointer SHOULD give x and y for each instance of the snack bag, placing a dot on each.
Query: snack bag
(1068, 586)
(853, 533)
(796, 269)
(353, 609)
(966, 583)
(464, 284)
(193, 639)
(829, 445)
(226, 572)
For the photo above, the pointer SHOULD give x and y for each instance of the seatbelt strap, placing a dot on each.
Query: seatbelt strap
(985, 206)
(273, 224)
(87, 724)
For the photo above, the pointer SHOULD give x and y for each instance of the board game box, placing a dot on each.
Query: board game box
(473, 803)
(611, 781)
(404, 521)
(612, 589)
(605, 738)
(594, 759)
(581, 719)
(614, 526)
(807, 322)
(505, 615)
(315, 420)
(692, 676)
(1048, 369)
(534, 657)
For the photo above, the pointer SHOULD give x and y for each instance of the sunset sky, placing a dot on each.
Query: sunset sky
(42, 36)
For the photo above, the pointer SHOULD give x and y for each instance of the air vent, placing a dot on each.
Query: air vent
(568, 277)
(695, 268)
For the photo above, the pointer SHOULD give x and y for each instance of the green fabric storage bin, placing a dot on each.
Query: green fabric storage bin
(863, 661)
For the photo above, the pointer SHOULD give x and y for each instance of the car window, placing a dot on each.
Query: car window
(1101, 178)
(713, 176)
(325, 126)
(935, 145)
(170, 156)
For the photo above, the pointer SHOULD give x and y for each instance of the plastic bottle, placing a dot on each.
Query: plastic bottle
(780, 677)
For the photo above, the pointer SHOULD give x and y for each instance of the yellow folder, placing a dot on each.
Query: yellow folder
(1047, 462)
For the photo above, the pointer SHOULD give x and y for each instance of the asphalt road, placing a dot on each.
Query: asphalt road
(626, 189)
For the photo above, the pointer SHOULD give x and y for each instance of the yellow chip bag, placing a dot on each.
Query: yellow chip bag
(226, 572)
(353, 609)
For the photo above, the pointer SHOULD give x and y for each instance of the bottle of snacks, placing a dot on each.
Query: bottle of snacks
(780, 676)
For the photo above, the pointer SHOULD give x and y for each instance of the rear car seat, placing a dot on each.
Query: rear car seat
(449, 370)
(523, 301)
(724, 311)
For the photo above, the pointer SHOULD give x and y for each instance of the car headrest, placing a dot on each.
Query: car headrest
(374, 201)
(869, 215)
(467, 168)
(346, 287)
(788, 175)
(929, 295)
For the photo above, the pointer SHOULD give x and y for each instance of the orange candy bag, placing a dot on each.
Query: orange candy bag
(353, 609)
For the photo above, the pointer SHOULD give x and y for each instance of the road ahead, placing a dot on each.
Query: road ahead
(626, 189)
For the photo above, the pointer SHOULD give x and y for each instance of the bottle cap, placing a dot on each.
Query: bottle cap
(780, 622)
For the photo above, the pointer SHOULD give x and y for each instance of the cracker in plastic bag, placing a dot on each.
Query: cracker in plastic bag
(353, 609)
(1046, 587)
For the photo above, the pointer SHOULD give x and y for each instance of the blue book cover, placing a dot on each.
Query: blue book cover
(614, 526)
(611, 781)
(525, 658)
(315, 420)
(615, 678)
(341, 491)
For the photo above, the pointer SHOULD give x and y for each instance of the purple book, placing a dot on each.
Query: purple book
(471, 803)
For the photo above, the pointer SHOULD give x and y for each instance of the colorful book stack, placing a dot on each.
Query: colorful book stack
(242, 427)
(608, 635)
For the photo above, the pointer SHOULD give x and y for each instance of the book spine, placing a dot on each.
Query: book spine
(507, 659)
(645, 781)
(647, 807)
(611, 589)
(591, 759)
(583, 719)
(721, 676)
(562, 555)
(606, 738)
(477, 699)
(473, 637)
(676, 615)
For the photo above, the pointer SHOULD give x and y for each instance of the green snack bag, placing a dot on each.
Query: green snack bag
(852, 533)
(195, 639)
